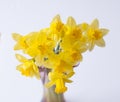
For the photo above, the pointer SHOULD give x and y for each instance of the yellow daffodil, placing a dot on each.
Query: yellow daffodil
(28, 67)
(21, 44)
(56, 24)
(73, 38)
(56, 28)
(39, 43)
(59, 80)
(72, 30)
(95, 35)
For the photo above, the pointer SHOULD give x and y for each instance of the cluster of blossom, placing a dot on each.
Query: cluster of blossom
(58, 48)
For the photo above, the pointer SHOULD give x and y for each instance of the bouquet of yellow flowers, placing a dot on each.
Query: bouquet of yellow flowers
(57, 49)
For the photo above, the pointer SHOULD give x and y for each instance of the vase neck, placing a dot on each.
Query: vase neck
(49, 94)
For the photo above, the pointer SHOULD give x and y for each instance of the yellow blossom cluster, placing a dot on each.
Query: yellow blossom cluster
(58, 48)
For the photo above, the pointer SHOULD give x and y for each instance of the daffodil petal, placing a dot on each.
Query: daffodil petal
(70, 74)
(68, 81)
(104, 31)
(49, 84)
(21, 58)
(56, 19)
(91, 45)
(100, 43)
(95, 24)
(71, 21)
(16, 36)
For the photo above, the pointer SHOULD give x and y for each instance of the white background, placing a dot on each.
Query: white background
(97, 78)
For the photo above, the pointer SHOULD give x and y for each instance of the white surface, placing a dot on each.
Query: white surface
(97, 78)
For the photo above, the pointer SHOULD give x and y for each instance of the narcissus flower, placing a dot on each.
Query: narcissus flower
(95, 35)
(57, 49)
(28, 67)
(59, 79)
(21, 44)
